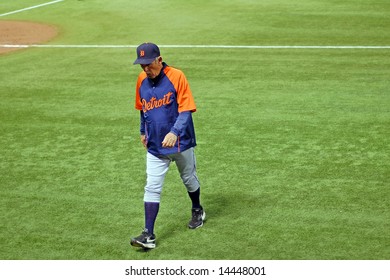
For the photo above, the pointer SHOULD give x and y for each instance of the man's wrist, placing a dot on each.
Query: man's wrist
(174, 131)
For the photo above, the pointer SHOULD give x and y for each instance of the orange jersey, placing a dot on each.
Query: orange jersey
(183, 92)
(161, 100)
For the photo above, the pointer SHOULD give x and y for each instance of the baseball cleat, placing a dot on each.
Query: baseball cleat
(198, 216)
(146, 240)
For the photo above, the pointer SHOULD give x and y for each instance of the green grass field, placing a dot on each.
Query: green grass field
(293, 144)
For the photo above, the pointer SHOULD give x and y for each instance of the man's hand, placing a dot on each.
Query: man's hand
(169, 140)
(143, 140)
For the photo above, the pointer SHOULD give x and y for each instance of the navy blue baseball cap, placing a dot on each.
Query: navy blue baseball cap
(147, 53)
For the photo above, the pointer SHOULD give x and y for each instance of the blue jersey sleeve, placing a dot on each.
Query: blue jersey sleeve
(181, 122)
(142, 123)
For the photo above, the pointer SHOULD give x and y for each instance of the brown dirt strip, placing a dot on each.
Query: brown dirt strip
(24, 33)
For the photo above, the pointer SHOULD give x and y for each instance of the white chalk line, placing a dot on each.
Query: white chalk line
(195, 46)
(30, 8)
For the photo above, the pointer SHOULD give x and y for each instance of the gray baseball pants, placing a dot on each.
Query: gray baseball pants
(157, 168)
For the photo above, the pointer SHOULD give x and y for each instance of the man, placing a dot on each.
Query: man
(165, 101)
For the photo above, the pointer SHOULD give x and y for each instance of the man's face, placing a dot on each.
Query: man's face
(153, 69)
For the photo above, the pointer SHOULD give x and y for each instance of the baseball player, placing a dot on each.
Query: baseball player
(166, 104)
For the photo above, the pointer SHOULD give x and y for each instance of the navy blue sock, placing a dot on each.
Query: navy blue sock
(151, 211)
(195, 198)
